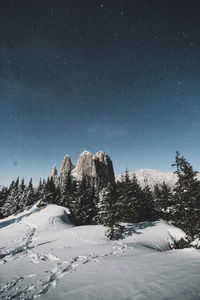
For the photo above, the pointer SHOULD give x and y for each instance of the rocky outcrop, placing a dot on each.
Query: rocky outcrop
(55, 176)
(97, 168)
(84, 165)
(103, 166)
(66, 166)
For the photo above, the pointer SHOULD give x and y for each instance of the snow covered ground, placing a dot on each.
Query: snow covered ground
(42, 255)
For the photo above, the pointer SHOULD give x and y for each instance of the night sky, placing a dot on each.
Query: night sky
(119, 76)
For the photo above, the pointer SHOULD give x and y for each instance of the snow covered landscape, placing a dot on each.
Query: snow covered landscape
(43, 255)
(119, 220)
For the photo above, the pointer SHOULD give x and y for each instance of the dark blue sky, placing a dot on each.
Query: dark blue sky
(120, 76)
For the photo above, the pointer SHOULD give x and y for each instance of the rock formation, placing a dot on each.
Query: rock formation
(84, 165)
(54, 174)
(66, 166)
(103, 167)
(98, 168)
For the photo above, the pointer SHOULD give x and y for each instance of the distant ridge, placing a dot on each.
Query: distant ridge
(151, 177)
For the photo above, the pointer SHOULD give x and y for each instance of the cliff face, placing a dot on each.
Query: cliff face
(66, 166)
(103, 166)
(98, 168)
(84, 165)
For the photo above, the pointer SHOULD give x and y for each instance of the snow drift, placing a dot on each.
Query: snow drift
(43, 255)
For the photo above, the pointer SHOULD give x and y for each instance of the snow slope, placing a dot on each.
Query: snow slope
(44, 256)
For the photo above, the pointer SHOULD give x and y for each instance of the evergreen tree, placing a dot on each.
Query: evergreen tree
(3, 199)
(122, 197)
(16, 183)
(67, 190)
(13, 201)
(129, 199)
(157, 195)
(22, 185)
(163, 200)
(147, 211)
(136, 200)
(83, 206)
(30, 194)
(21, 194)
(109, 213)
(39, 191)
(50, 194)
(186, 208)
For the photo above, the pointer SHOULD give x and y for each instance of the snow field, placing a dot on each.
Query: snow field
(44, 256)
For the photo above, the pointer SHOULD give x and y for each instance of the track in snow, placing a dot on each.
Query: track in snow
(25, 244)
(17, 289)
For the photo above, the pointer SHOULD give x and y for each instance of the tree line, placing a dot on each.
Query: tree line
(122, 202)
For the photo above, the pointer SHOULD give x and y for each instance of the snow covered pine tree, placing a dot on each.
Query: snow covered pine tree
(109, 212)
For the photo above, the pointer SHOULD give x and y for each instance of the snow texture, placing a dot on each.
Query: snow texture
(42, 255)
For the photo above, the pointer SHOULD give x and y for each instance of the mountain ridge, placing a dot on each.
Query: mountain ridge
(151, 177)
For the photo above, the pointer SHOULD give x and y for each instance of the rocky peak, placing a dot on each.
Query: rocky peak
(104, 167)
(84, 166)
(66, 166)
(98, 167)
(101, 155)
(85, 153)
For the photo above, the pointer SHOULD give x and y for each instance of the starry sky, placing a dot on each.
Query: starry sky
(119, 76)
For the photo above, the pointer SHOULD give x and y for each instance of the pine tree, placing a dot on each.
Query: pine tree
(39, 191)
(3, 199)
(22, 185)
(147, 210)
(22, 196)
(163, 200)
(16, 183)
(129, 198)
(67, 190)
(13, 201)
(109, 213)
(83, 207)
(157, 195)
(31, 199)
(50, 194)
(186, 208)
